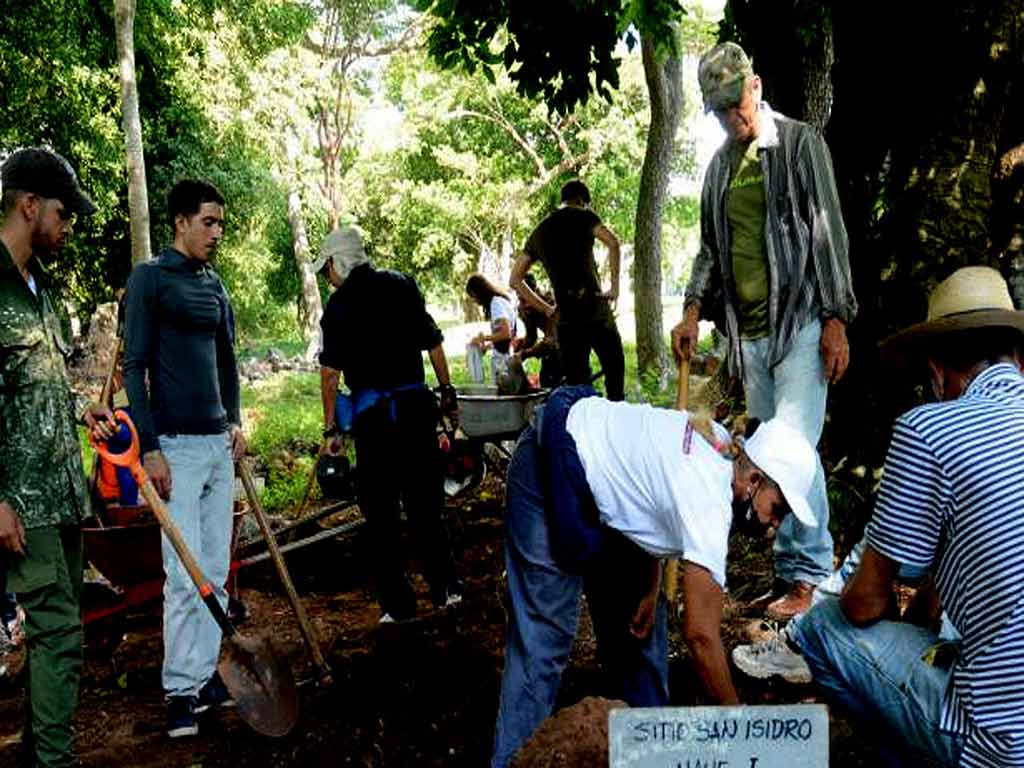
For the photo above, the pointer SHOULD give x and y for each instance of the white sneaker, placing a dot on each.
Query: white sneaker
(772, 657)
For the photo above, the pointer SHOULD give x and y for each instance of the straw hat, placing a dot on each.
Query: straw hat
(972, 297)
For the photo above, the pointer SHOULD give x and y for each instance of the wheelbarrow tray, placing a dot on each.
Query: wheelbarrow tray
(484, 414)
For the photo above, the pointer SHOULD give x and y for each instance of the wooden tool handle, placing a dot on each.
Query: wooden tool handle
(282, 570)
(683, 390)
(682, 400)
(206, 590)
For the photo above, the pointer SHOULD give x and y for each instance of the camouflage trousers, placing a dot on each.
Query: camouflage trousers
(48, 583)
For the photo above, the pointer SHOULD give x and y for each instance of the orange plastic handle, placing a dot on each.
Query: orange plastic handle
(128, 458)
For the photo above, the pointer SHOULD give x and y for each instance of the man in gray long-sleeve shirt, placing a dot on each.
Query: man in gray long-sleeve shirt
(773, 271)
(179, 331)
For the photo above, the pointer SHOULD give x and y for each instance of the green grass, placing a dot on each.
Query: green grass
(283, 418)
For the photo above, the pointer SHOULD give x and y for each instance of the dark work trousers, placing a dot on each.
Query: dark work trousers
(398, 467)
(48, 582)
(596, 330)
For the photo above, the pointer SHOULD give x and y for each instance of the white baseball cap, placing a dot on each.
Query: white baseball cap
(784, 455)
(344, 247)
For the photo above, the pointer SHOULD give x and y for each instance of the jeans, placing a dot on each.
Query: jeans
(48, 581)
(794, 391)
(202, 494)
(543, 611)
(878, 675)
(577, 336)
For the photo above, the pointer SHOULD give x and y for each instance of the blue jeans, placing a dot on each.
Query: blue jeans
(877, 674)
(543, 611)
(202, 493)
(794, 391)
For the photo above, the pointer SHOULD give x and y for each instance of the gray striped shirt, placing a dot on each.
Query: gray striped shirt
(805, 238)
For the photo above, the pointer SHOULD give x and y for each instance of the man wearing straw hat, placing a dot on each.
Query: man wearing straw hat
(951, 501)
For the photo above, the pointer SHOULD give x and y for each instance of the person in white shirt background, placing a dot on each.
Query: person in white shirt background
(501, 313)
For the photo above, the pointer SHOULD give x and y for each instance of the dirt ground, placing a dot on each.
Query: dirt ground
(422, 693)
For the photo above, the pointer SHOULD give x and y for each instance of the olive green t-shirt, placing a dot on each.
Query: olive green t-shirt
(746, 210)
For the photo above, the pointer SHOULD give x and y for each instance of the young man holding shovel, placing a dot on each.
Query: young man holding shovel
(597, 494)
(179, 337)
(42, 484)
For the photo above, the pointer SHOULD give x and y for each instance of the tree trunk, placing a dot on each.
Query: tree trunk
(138, 198)
(310, 308)
(665, 88)
(792, 48)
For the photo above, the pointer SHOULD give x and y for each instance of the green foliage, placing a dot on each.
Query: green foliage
(547, 63)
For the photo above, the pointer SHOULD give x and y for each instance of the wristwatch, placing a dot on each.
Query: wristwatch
(331, 432)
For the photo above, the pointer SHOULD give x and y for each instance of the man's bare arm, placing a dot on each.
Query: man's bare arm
(869, 595)
(611, 242)
(518, 284)
(704, 599)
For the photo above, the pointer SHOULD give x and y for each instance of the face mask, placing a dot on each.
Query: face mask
(744, 519)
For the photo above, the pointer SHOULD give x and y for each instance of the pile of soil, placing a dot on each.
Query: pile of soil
(421, 693)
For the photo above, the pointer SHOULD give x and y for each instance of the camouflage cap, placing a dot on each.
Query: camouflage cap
(722, 73)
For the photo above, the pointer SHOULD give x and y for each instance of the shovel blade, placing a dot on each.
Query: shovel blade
(262, 686)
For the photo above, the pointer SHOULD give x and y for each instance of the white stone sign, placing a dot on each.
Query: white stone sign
(790, 736)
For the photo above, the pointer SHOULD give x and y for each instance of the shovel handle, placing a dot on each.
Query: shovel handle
(308, 633)
(682, 400)
(130, 459)
(683, 390)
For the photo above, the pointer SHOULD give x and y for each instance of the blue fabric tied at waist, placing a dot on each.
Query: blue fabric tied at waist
(347, 406)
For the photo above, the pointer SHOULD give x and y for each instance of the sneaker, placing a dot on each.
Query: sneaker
(181, 716)
(453, 595)
(213, 694)
(772, 657)
(796, 601)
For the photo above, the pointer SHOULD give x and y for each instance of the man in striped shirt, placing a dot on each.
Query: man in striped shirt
(951, 501)
(773, 272)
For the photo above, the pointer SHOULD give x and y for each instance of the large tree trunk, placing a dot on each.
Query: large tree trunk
(138, 198)
(919, 139)
(665, 87)
(310, 308)
(791, 45)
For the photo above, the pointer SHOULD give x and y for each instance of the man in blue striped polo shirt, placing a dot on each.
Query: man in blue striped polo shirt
(951, 501)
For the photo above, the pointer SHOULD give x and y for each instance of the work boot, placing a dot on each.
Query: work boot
(778, 589)
(793, 603)
(772, 657)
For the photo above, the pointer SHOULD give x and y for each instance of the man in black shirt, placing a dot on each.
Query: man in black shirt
(564, 243)
(180, 333)
(375, 326)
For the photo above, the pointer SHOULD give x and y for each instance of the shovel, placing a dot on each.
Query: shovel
(263, 688)
(682, 396)
(308, 633)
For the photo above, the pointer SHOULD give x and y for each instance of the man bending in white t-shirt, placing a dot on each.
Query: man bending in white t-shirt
(598, 493)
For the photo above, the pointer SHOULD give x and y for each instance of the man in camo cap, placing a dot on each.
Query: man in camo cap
(776, 279)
